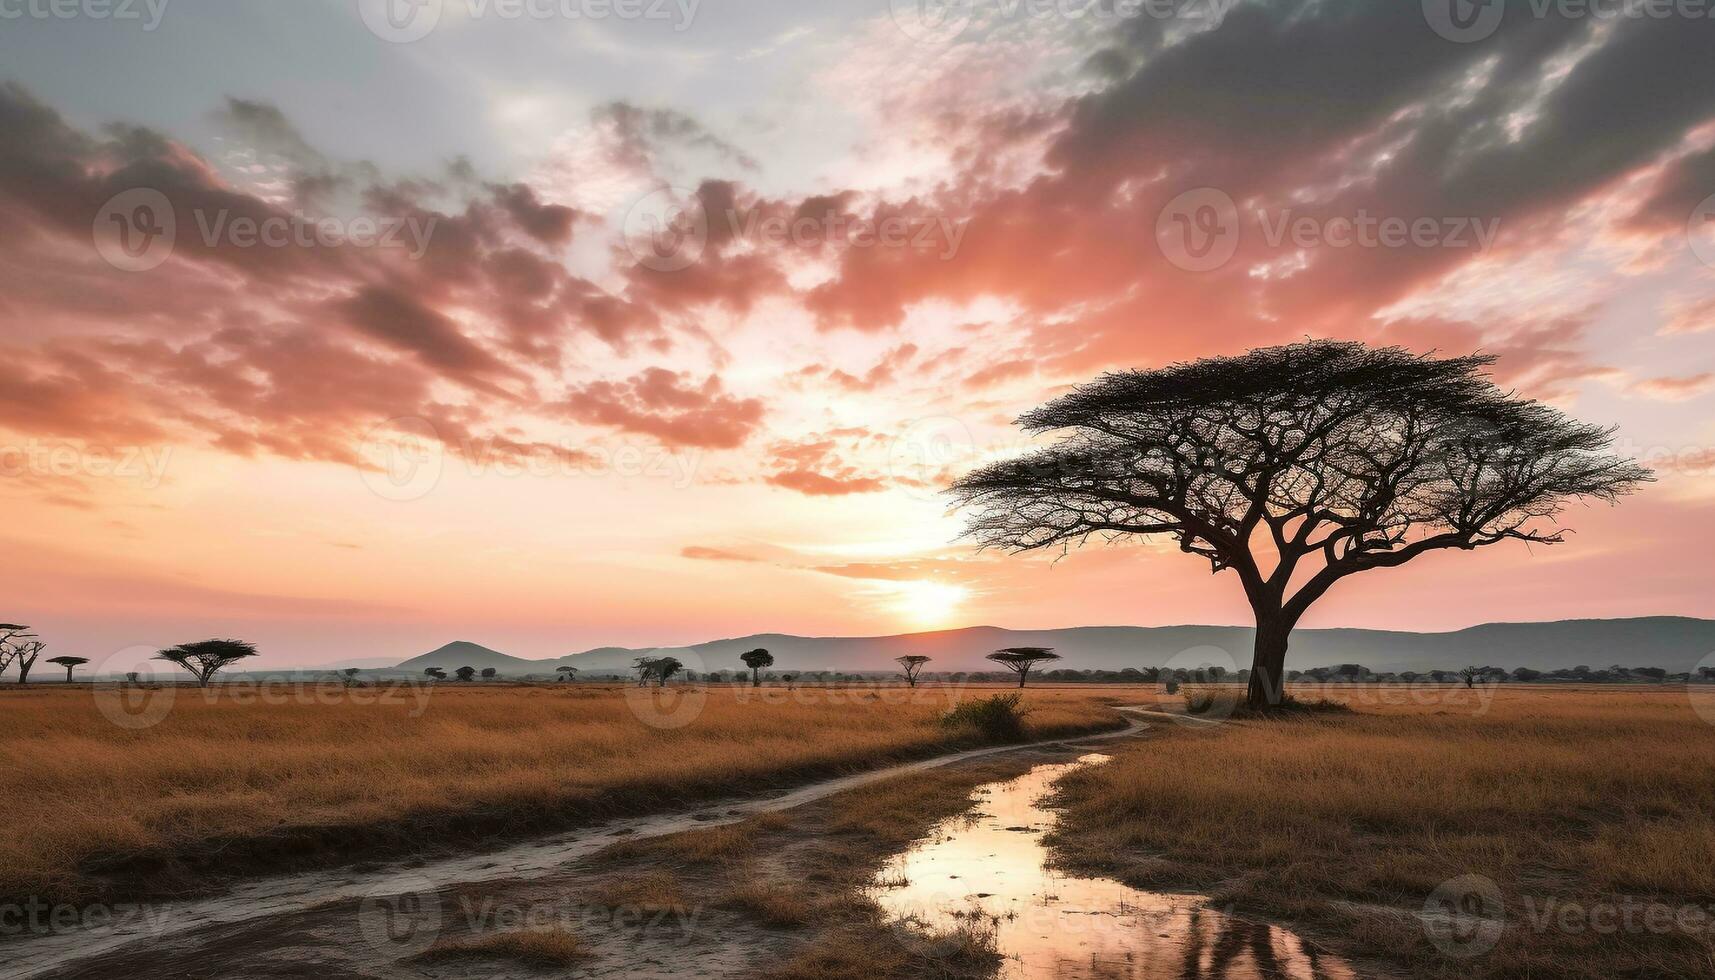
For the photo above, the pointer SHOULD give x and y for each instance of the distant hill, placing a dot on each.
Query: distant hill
(465, 654)
(1675, 643)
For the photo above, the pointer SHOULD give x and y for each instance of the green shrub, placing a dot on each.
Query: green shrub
(997, 719)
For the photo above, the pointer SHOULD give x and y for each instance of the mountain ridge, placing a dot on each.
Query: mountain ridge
(1677, 643)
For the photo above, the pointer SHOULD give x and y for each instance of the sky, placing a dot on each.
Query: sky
(353, 328)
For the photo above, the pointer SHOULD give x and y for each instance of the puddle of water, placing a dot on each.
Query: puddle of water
(989, 866)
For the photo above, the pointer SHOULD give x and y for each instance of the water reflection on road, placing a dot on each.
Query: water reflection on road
(989, 866)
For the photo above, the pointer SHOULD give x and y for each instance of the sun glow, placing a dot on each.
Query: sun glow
(928, 603)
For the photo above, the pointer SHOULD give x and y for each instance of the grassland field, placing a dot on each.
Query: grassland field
(1582, 808)
(237, 780)
(1572, 828)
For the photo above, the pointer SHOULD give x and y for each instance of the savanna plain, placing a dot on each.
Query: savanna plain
(1512, 830)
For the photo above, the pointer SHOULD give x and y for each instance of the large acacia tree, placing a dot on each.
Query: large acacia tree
(1296, 467)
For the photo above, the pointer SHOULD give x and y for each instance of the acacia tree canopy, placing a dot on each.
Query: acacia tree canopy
(912, 665)
(1295, 467)
(1021, 660)
(206, 658)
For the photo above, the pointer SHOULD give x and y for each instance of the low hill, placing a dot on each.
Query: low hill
(1675, 643)
(465, 654)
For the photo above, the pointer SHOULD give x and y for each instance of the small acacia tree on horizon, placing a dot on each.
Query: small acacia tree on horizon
(1297, 467)
(664, 669)
(435, 674)
(912, 666)
(9, 650)
(69, 663)
(567, 673)
(1022, 660)
(757, 661)
(23, 651)
(206, 658)
(465, 674)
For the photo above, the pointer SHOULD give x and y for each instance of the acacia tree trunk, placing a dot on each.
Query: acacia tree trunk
(1268, 664)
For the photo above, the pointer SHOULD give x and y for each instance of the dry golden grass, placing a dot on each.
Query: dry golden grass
(965, 953)
(1575, 796)
(774, 904)
(352, 771)
(650, 891)
(532, 947)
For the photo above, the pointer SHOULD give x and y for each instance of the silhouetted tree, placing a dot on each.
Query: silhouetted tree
(645, 668)
(10, 632)
(466, 674)
(24, 652)
(1020, 660)
(913, 666)
(206, 658)
(757, 661)
(1471, 675)
(348, 676)
(68, 663)
(1307, 463)
(435, 674)
(489, 673)
(664, 669)
(567, 673)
